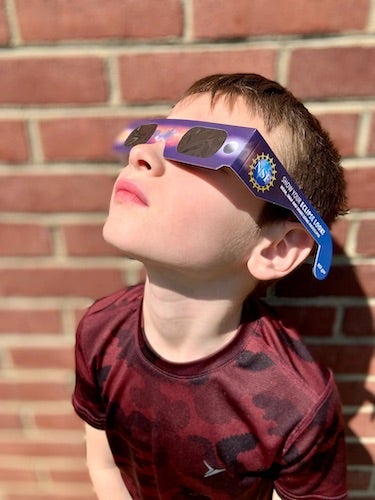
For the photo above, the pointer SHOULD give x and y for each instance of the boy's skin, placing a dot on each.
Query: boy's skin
(195, 231)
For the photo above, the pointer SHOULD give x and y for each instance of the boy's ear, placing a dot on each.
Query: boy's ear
(281, 248)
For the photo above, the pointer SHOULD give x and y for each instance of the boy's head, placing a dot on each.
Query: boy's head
(293, 133)
(216, 226)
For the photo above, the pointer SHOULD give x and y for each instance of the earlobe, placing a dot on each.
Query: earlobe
(281, 248)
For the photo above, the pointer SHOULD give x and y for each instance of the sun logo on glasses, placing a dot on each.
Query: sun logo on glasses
(262, 172)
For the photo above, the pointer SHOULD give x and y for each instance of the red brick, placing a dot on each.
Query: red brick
(309, 321)
(8, 475)
(332, 72)
(41, 358)
(339, 234)
(56, 193)
(82, 240)
(34, 391)
(366, 238)
(361, 454)
(13, 145)
(346, 358)
(365, 276)
(24, 240)
(59, 282)
(164, 76)
(264, 17)
(359, 480)
(361, 183)
(359, 321)
(80, 139)
(4, 31)
(10, 421)
(30, 321)
(59, 421)
(95, 19)
(47, 80)
(356, 393)
(343, 131)
(362, 424)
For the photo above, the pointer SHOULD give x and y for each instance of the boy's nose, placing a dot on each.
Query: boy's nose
(148, 157)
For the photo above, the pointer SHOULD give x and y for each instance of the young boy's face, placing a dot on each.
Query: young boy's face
(178, 217)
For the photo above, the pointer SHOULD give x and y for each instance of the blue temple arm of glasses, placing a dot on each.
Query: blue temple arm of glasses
(284, 192)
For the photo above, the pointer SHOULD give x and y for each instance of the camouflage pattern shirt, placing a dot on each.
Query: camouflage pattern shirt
(258, 415)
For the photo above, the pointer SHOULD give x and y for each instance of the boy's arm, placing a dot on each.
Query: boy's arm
(105, 475)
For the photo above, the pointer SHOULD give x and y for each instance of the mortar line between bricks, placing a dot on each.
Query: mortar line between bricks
(371, 17)
(363, 134)
(13, 461)
(114, 80)
(338, 322)
(355, 378)
(32, 374)
(110, 110)
(365, 215)
(351, 238)
(55, 110)
(187, 34)
(362, 440)
(122, 47)
(12, 18)
(34, 142)
(58, 170)
(283, 62)
(48, 219)
(355, 163)
(363, 409)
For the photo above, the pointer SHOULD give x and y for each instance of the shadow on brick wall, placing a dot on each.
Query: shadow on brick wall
(334, 318)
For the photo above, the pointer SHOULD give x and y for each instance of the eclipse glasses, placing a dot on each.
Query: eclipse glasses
(247, 154)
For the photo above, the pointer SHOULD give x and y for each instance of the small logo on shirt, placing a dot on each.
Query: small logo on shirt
(211, 471)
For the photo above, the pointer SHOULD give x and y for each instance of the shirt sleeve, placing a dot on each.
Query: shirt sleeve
(314, 456)
(87, 400)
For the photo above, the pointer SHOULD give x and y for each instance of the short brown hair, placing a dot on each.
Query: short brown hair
(307, 151)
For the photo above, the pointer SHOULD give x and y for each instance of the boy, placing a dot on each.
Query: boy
(189, 386)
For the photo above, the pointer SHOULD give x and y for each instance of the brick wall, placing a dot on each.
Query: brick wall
(72, 73)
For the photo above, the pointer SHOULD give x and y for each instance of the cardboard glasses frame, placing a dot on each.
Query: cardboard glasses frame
(247, 154)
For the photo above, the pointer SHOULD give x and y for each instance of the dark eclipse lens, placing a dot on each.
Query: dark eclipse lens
(140, 135)
(201, 142)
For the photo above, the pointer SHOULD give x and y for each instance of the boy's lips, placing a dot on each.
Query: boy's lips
(128, 191)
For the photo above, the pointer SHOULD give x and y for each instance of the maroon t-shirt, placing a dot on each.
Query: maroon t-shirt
(257, 415)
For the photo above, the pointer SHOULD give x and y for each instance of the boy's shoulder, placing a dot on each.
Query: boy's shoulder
(283, 346)
(106, 314)
(130, 296)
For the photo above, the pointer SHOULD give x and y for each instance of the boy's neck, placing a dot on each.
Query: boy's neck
(188, 322)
